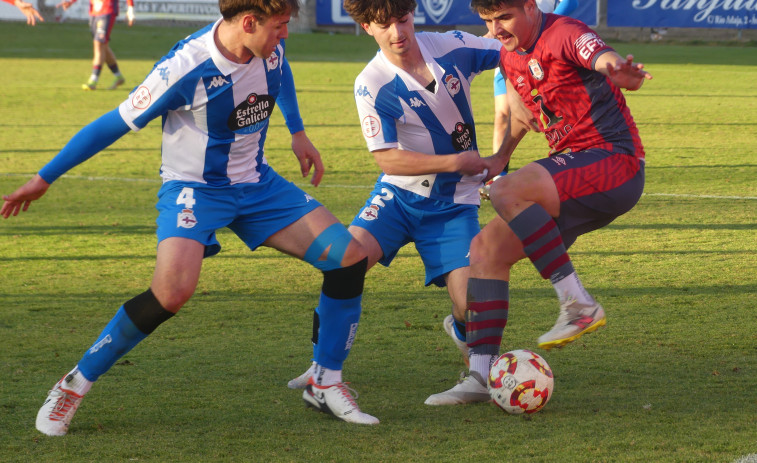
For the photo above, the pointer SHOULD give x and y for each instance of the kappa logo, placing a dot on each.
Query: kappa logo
(416, 102)
(308, 198)
(218, 81)
(363, 91)
(164, 74)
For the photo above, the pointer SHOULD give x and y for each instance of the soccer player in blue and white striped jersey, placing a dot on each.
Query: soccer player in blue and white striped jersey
(215, 92)
(414, 105)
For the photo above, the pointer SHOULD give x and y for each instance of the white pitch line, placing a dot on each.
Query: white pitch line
(148, 180)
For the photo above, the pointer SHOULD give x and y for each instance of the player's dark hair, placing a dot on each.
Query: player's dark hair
(263, 9)
(490, 6)
(378, 11)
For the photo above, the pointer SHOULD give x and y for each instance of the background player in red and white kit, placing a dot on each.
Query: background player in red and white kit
(102, 17)
(28, 10)
(571, 82)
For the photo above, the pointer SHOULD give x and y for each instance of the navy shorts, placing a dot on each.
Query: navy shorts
(442, 232)
(595, 186)
(254, 211)
(100, 26)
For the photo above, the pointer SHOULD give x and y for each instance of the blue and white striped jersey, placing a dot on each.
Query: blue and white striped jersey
(397, 112)
(215, 112)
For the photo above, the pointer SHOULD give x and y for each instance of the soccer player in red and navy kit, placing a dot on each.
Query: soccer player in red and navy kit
(570, 81)
(102, 17)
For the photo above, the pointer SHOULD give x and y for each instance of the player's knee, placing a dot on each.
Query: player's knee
(146, 312)
(346, 282)
(173, 299)
(333, 249)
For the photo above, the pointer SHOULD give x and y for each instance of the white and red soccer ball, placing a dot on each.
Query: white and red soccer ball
(520, 381)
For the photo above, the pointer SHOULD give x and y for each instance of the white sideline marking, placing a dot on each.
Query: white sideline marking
(149, 180)
(751, 458)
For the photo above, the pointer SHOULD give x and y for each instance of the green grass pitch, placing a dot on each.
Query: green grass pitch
(672, 378)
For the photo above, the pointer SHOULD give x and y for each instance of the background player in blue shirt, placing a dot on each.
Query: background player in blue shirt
(413, 101)
(215, 91)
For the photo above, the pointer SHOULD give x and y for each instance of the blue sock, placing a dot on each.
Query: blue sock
(338, 326)
(119, 337)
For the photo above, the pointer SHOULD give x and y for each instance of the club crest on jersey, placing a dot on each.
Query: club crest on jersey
(437, 9)
(452, 83)
(371, 126)
(535, 68)
(251, 114)
(370, 212)
(462, 136)
(272, 62)
(186, 219)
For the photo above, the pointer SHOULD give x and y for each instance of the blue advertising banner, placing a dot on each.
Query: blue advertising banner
(437, 12)
(738, 14)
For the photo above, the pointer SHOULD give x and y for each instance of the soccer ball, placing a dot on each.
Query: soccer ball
(520, 381)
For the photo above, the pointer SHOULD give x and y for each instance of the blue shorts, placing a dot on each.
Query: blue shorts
(254, 211)
(595, 187)
(442, 231)
(500, 87)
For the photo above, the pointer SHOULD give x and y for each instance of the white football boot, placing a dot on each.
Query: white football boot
(574, 321)
(301, 381)
(470, 389)
(336, 400)
(59, 407)
(449, 327)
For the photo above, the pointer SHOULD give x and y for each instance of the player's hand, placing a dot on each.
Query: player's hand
(627, 74)
(470, 163)
(130, 15)
(65, 4)
(32, 15)
(308, 156)
(20, 199)
(495, 165)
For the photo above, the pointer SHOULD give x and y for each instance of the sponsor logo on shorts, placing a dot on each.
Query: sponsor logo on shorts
(186, 219)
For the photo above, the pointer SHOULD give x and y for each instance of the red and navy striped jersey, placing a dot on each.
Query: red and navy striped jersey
(578, 108)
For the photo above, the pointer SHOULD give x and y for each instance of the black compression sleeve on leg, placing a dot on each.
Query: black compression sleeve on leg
(346, 282)
(316, 325)
(146, 312)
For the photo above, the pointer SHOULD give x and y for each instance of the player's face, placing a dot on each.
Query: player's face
(266, 35)
(396, 37)
(515, 27)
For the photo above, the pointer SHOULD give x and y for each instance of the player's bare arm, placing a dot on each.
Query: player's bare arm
(394, 161)
(623, 72)
(28, 10)
(20, 199)
(308, 156)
